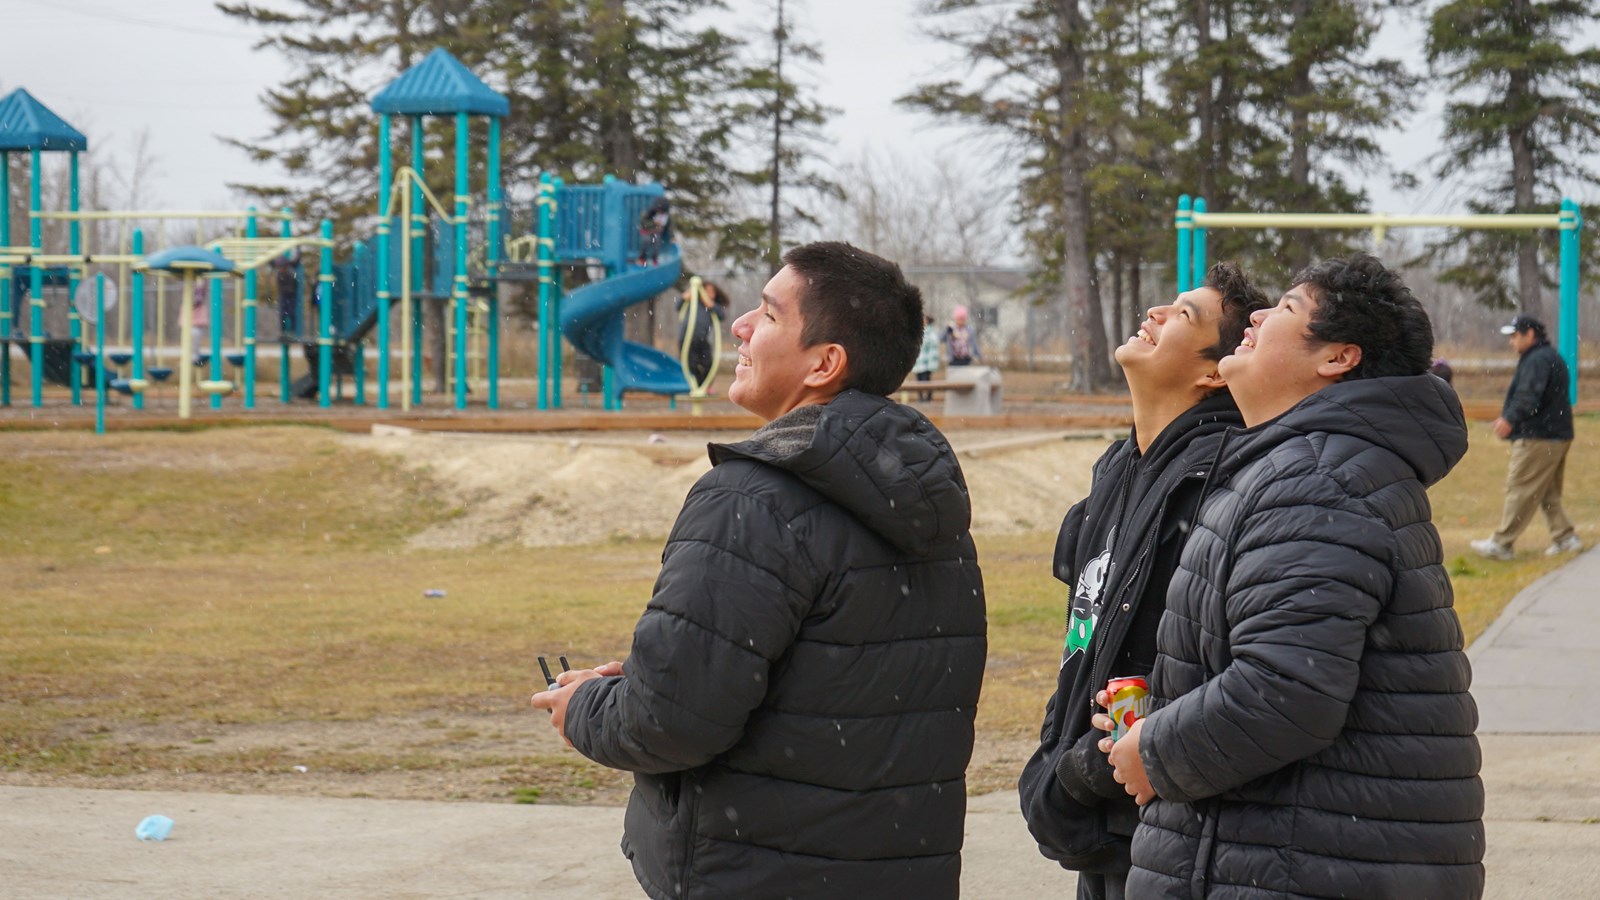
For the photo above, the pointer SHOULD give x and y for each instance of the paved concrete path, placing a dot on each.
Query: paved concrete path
(1537, 670)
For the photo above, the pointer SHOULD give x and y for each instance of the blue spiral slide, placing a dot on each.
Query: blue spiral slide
(591, 318)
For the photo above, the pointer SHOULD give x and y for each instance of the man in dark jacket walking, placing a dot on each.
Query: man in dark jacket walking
(1117, 549)
(1537, 419)
(1314, 735)
(798, 705)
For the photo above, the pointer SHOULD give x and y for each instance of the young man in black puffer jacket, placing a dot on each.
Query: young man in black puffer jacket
(1315, 736)
(1117, 548)
(798, 705)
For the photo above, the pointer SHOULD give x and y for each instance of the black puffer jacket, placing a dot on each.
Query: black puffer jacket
(1537, 402)
(798, 705)
(1117, 548)
(1319, 738)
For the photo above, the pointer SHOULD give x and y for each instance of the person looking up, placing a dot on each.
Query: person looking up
(797, 708)
(1117, 549)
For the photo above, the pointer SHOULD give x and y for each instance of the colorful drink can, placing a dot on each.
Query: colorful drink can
(1130, 702)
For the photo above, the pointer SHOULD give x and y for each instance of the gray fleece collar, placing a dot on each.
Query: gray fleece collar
(788, 434)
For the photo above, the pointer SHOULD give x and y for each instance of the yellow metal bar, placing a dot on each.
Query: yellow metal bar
(85, 215)
(1373, 220)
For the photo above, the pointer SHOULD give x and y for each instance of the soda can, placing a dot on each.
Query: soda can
(1130, 702)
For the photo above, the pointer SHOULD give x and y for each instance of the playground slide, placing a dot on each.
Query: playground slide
(591, 318)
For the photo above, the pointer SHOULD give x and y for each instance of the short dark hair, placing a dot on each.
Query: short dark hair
(1240, 298)
(1362, 302)
(863, 303)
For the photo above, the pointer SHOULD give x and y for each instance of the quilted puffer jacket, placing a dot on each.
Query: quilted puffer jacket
(798, 704)
(1317, 735)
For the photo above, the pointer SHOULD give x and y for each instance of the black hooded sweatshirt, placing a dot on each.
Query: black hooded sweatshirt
(1117, 549)
(798, 704)
(1317, 738)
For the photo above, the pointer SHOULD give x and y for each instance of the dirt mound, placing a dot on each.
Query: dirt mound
(545, 490)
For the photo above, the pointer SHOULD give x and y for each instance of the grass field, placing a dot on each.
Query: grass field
(172, 593)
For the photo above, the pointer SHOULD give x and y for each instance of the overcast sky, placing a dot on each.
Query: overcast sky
(187, 73)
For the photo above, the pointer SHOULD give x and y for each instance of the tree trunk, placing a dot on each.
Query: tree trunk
(1135, 301)
(1086, 327)
(1225, 109)
(1117, 305)
(1299, 114)
(1530, 291)
(780, 36)
(1204, 108)
(615, 39)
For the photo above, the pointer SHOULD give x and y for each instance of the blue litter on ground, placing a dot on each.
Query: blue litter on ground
(153, 828)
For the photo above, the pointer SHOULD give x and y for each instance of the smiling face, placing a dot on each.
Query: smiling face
(1279, 363)
(777, 373)
(1167, 353)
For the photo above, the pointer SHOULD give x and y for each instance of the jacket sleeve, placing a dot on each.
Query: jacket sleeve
(1311, 569)
(1527, 387)
(732, 592)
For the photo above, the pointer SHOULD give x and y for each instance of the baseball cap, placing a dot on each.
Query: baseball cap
(1522, 323)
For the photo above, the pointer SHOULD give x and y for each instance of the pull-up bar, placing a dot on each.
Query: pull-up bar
(1193, 220)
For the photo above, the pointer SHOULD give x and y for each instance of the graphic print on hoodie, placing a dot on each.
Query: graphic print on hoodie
(1088, 597)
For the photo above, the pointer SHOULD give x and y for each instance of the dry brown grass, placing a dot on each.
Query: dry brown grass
(209, 610)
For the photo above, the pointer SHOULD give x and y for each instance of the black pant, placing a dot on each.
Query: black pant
(1102, 887)
(924, 395)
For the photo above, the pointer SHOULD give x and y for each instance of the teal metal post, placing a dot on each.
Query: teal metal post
(284, 389)
(136, 313)
(458, 285)
(492, 264)
(100, 353)
(1571, 227)
(1199, 272)
(216, 338)
(324, 306)
(556, 299)
(35, 285)
(608, 381)
(74, 321)
(358, 354)
(1185, 222)
(5, 280)
(250, 322)
(385, 186)
(545, 205)
(419, 226)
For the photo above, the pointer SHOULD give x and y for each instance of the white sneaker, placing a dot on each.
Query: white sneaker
(1568, 544)
(1490, 548)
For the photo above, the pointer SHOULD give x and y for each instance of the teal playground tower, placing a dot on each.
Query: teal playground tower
(438, 86)
(28, 125)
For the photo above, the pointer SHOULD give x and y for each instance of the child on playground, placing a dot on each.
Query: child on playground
(655, 230)
(201, 323)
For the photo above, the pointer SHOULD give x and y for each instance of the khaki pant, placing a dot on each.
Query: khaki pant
(1534, 480)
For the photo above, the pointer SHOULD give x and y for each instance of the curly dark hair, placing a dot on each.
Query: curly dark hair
(1240, 298)
(863, 303)
(1362, 302)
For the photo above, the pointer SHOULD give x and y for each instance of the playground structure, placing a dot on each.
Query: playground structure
(422, 251)
(1193, 220)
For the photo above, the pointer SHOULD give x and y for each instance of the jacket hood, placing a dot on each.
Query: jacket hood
(1418, 417)
(883, 462)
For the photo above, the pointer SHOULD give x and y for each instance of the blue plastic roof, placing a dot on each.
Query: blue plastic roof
(27, 124)
(439, 85)
(194, 259)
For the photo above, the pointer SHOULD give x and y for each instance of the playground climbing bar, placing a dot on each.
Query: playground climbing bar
(1192, 221)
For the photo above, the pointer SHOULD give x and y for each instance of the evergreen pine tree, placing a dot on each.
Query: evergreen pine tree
(1525, 120)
